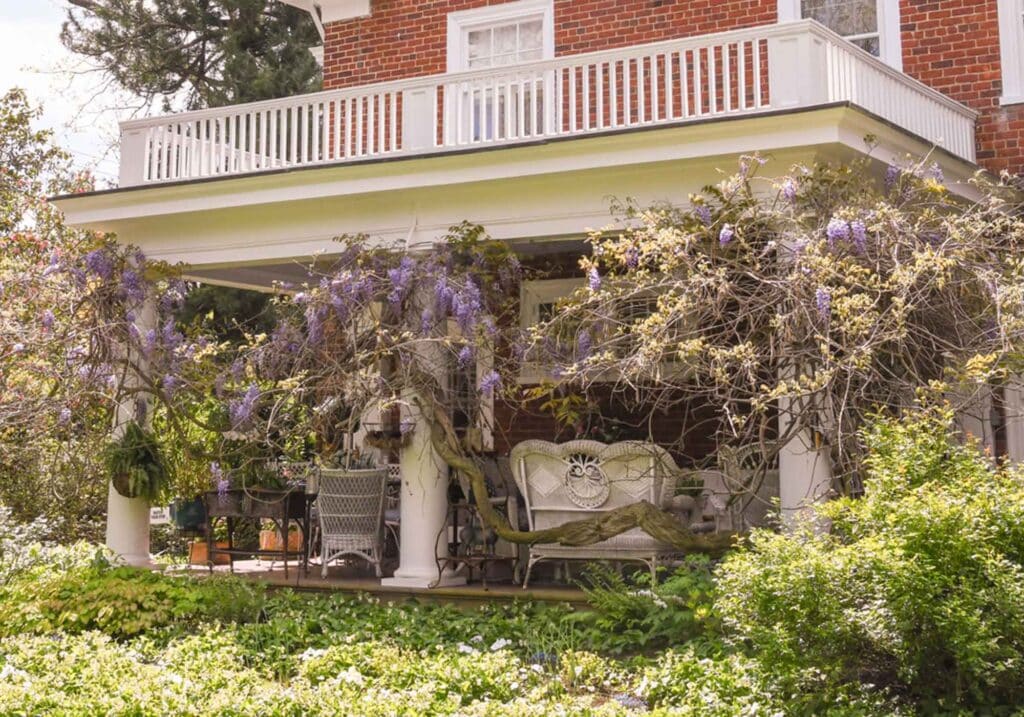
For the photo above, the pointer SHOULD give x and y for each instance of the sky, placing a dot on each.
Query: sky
(32, 57)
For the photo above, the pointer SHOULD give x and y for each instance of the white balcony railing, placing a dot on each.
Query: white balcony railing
(745, 72)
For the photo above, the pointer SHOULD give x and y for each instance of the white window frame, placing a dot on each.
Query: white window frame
(532, 295)
(1011, 50)
(890, 40)
(462, 22)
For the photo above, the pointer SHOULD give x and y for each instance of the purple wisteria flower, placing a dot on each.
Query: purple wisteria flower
(427, 321)
(789, 190)
(703, 213)
(220, 481)
(837, 230)
(131, 286)
(594, 279)
(171, 384)
(315, 317)
(823, 302)
(726, 235)
(490, 383)
(47, 319)
(241, 411)
(467, 305)
(98, 262)
(444, 294)
(632, 257)
(401, 279)
(892, 176)
(406, 426)
(170, 335)
(860, 235)
(65, 416)
(583, 346)
(18, 348)
(935, 172)
(54, 266)
(466, 356)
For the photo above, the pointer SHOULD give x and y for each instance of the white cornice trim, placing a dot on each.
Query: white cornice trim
(335, 10)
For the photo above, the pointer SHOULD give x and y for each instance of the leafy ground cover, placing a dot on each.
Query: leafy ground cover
(912, 602)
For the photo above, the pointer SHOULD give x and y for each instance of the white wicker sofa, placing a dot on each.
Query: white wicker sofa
(561, 482)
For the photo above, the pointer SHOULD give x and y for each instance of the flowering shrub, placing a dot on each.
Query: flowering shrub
(917, 588)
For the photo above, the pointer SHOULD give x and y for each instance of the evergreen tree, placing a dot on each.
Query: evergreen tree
(196, 53)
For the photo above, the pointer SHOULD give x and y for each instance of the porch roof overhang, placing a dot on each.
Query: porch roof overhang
(249, 230)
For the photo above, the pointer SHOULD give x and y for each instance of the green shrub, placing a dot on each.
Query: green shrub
(626, 619)
(918, 587)
(122, 601)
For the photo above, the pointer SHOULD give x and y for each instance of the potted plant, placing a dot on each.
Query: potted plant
(270, 538)
(198, 550)
(136, 464)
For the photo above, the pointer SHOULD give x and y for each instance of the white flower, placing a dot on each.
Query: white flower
(499, 644)
(352, 676)
(465, 649)
(537, 668)
(477, 638)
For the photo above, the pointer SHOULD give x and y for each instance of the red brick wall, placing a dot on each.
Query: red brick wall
(408, 38)
(953, 46)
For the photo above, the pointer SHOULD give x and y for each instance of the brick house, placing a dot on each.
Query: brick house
(524, 116)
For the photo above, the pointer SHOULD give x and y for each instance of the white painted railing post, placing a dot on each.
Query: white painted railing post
(133, 157)
(419, 117)
(797, 70)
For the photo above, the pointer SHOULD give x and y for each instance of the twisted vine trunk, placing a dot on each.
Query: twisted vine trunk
(657, 523)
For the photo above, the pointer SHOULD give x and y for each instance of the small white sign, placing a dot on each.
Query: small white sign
(159, 515)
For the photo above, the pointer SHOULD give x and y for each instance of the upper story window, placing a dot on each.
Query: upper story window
(1011, 50)
(500, 35)
(873, 25)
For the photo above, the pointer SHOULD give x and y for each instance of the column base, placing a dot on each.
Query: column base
(137, 561)
(447, 580)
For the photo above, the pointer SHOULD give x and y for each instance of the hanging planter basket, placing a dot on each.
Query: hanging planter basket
(387, 440)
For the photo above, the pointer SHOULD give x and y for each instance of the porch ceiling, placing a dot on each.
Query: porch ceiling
(250, 230)
(282, 275)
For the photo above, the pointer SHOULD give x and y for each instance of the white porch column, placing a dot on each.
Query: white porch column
(1013, 405)
(424, 511)
(805, 469)
(805, 476)
(128, 518)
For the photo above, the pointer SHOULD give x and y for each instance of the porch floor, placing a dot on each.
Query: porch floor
(351, 578)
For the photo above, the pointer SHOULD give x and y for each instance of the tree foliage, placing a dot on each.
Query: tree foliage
(196, 53)
(49, 429)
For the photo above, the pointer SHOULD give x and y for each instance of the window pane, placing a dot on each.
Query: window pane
(479, 43)
(846, 17)
(531, 36)
(505, 40)
(868, 43)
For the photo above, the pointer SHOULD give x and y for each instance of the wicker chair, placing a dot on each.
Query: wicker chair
(350, 505)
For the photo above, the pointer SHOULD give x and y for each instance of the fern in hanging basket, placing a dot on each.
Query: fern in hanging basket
(136, 464)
